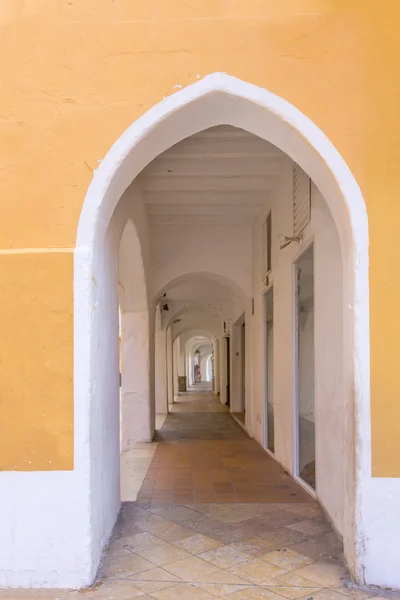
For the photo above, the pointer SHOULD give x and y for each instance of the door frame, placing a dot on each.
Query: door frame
(268, 290)
(296, 435)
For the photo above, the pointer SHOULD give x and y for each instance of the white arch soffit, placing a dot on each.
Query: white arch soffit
(133, 297)
(195, 341)
(236, 280)
(204, 336)
(221, 99)
(193, 312)
(209, 329)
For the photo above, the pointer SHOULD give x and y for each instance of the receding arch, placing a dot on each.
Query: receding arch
(165, 283)
(193, 312)
(215, 100)
(212, 325)
(196, 338)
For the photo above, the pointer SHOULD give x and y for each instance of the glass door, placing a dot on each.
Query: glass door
(269, 366)
(305, 368)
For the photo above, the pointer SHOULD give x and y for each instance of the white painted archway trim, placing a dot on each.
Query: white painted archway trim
(77, 539)
(221, 99)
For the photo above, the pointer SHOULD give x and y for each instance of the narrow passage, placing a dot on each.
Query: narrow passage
(218, 518)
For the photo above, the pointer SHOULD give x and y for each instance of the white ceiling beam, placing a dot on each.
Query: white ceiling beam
(209, 219)
(182, 209)
(220, 198)
(208, 167)
(242, 183)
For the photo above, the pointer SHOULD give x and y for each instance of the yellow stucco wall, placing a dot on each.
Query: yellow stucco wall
(77, 73)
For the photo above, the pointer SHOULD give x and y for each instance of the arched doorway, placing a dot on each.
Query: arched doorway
(220, 99)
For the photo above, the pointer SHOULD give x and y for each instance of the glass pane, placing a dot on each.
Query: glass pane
(305, 367)
(269, 312)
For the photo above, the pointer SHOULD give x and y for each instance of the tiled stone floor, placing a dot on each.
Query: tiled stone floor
(164, 549)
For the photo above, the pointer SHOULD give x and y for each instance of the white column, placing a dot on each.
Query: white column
(161, 395)
(217, 388)
(181, 358)
(170, 386)
(135, 395)
(190, 367)
(236, 369)
(203, 367)
(175, 360)
(222, 370)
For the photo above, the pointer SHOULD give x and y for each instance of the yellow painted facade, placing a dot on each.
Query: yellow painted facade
(77, 73)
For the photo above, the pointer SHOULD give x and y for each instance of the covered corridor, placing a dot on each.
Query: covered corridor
(216, 517)
(210, 229)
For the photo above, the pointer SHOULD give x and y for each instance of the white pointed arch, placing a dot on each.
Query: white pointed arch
(220, 99)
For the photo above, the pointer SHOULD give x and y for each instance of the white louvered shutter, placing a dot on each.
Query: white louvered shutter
(301, 200)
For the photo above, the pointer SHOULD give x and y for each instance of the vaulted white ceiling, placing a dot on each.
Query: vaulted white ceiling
(196, 298)
(220, 175)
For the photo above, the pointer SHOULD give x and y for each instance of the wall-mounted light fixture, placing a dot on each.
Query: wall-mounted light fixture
(286, 241)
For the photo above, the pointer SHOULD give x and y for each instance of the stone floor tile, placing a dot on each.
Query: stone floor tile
(292, 592)
(287, 559)
(255, 546)
(39, 595)
(324, 573)
(253, 593)
(354, 592)
(328, 594)
(198, 543)
(164, 555)
(130, 564)
(191, 569)
(157, 574)
(178, 514)
(282, 518)
(308, 511)
(283, 538)
(257, 571)
(183, 591)
(148, 587)
(311, 527)
(171, 532)
(318, 549)
(293, 579)
(139, 541)
(118, 590)
(221, 589)
(223, 576)
(224, 557)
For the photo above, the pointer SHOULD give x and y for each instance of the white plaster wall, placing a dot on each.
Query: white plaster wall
(222, 369)
(108, 270)
(236, 404)
(205, 352)
(161, 403)
(136, 423)
(306, 372)
(328, 325)
(175, 361)
(216, 352)
(170, 366)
